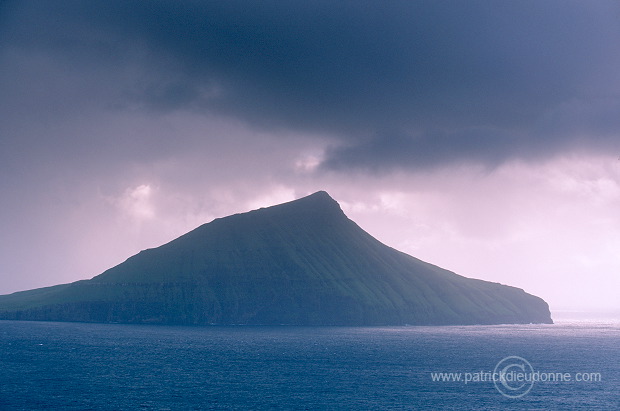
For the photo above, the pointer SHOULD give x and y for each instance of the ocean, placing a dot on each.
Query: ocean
(77, 366)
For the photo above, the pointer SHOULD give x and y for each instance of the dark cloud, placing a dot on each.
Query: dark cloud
(486, 146)
(457, 81)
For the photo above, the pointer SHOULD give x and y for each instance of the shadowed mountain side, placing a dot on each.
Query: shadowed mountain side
(302, 262)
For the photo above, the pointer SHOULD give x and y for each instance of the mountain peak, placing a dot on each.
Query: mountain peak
(320, 199)
(320, 195)
(317, 205)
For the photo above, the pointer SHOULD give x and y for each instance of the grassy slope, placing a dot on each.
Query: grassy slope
(302, 262)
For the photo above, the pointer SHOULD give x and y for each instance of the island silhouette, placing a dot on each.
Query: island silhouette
(299, 263)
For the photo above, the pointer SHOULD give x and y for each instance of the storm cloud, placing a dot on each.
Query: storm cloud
(426, 82)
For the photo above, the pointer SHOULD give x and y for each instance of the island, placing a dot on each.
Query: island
(299, 263)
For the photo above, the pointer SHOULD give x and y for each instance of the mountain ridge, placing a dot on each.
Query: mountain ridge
(302, 262)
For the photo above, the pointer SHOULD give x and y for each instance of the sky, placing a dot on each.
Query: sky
(480, 136)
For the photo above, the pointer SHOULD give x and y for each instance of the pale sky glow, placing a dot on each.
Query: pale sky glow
(549, 240)
(137, 203)
(469, 138)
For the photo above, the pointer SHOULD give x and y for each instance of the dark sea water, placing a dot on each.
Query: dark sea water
(74, 366)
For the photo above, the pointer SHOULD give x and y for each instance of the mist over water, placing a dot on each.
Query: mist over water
(111, 366)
